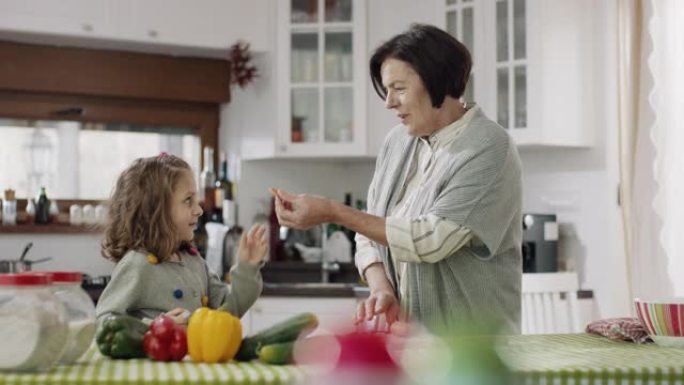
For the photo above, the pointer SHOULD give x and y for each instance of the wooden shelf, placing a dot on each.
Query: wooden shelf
(52, 228)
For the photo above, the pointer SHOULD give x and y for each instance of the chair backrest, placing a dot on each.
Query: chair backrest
(544, 310)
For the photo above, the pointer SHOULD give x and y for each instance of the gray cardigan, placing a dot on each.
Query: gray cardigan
(477, 184)
(145, 290)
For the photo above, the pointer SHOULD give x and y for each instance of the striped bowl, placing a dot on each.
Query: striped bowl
(662, 318)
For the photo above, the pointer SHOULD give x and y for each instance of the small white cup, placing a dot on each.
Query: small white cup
(101, 214)
(75, 215)
(89, 215)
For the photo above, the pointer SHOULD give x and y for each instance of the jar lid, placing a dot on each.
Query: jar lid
(65, 276)
(24, 279)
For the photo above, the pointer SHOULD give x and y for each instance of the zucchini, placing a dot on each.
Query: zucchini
(285, 331)
(277, 354)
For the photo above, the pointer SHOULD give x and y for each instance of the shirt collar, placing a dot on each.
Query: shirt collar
(445, 135)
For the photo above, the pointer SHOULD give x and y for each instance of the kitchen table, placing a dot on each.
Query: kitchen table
(95, 369)
(534, 359)
(590, 359)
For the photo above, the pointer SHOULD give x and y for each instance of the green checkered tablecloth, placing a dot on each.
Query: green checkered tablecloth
(590, 359)
(93, 368)
(572, 359)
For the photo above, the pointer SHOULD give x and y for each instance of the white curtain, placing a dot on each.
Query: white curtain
(666, 65)
(645, 219)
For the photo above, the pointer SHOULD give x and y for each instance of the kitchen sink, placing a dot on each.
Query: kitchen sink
(313, 289)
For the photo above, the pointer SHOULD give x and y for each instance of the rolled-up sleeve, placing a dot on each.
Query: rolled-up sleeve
(427, 239)
(366, 254)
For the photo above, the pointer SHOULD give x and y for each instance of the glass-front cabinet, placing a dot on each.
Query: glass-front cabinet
(322, 74)
(511, 64)
(461, 23)
(532, 60)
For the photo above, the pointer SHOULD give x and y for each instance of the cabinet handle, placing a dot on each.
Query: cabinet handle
(87, 27)
(152, 33)
(257, 310)
(283, 148)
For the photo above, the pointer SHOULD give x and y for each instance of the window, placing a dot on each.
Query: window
(81, 160)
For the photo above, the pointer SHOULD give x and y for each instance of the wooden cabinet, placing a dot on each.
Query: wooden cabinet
(532, 68)
(332, 313)
(211, 25)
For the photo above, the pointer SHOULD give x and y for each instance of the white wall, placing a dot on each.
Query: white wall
(328, 178)
(69, 252)
(580, 186)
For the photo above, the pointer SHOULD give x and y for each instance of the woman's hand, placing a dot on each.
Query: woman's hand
(253, 245)
(301, 211)
(379, 302)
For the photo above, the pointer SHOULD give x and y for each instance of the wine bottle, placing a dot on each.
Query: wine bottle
(207, 181)
(42, 208)
(201, 238)
(223, 195)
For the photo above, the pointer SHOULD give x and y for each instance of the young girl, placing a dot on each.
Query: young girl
(152, 216)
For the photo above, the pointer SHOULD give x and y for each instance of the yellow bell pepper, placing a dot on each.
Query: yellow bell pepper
(213, 335)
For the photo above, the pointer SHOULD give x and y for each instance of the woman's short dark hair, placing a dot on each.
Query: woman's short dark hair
(442, 62)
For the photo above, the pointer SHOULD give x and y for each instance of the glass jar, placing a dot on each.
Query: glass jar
(33, 327)
(80, 313)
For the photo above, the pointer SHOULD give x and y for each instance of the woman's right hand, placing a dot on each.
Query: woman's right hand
(379, 302)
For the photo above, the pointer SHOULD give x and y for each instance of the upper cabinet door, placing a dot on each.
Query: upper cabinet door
(322, 72)
(86, 18)
(207, 24)
(532, 66)
(463, 20)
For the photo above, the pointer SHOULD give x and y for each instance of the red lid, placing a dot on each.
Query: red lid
(65, 276)
(24, 279)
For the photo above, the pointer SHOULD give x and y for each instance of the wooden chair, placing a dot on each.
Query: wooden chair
(549, 303)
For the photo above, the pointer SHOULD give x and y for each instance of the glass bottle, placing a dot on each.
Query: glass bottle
(207, 181)
(9, 208)
(223, 195)
(42, 208)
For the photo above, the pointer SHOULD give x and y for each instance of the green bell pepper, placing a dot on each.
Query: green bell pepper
(121, 336)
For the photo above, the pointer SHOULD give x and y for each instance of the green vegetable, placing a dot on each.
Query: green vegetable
(277, 354)
(286, 331)
(121, 336)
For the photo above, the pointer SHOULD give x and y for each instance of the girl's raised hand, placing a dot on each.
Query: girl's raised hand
(253, 245)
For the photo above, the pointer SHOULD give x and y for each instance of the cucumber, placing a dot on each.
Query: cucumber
(277, 354)
(286, 331)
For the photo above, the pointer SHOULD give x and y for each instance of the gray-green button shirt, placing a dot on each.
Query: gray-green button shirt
(145, 290)
(475, 183)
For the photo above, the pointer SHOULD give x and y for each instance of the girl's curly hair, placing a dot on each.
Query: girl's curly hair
(140, 211)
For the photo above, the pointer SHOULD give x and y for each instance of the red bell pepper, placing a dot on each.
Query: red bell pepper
(165, 340)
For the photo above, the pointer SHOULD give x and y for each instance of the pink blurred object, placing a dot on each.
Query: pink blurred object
(358, 358)
(364, 350)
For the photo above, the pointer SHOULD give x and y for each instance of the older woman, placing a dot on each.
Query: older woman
(440, 242)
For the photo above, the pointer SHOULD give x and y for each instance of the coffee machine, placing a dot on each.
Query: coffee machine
(540, 243)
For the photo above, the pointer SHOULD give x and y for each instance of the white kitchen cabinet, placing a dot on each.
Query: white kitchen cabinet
(322, 78)
(86, 18)
(532, 68)
(206, 28)
(330, 311)
(310, 100)
(215, 24)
